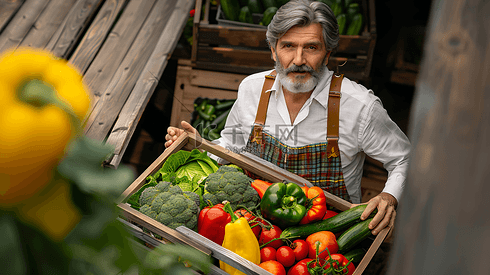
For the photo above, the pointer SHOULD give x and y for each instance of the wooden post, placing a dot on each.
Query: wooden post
(442, 224)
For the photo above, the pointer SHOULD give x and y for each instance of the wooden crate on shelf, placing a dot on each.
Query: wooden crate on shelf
(186, 236)
(245, 50)
(192, 83)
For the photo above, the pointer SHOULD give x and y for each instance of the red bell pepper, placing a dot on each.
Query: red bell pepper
(212, 223)
(316, 204)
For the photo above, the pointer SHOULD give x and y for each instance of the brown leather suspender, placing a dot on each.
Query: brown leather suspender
(333, 115)
(263, 106)
(333, 111)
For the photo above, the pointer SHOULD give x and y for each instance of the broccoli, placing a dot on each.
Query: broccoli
(193, 196)
(169, 205)
(229, 184)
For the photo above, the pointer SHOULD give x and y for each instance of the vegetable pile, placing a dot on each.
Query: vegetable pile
(261, 12)
(282, 227)
(209, 116)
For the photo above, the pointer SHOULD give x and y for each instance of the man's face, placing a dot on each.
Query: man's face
(301, 57)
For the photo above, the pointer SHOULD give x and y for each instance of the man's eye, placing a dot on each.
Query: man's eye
(311, 47)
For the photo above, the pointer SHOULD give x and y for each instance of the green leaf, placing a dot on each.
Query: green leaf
(83, 166)
(11, 255)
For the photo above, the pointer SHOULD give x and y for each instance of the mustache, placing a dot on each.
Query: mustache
(299, 69)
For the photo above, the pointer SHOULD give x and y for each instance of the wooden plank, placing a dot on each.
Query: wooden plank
(158, 228)
(445, 203)
(212, 79)
(112, 100)
(236, 56)
(47, 23)
(233, 36)
(115, 47)
(21, 23)
(145, 86)
(224, 254)
(8, 8)
(64, 40)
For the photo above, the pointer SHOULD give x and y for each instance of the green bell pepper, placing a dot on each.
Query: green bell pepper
(283, 204)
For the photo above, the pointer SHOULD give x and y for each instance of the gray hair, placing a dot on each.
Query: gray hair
(303, 13)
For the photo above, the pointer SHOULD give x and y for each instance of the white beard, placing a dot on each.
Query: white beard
(296, 85)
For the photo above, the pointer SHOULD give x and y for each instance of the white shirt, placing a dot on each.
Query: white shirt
(364, 128)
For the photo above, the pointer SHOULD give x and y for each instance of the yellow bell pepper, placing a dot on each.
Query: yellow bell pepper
(42, 103)
(240, 239)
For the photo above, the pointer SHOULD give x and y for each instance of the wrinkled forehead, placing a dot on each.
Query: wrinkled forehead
(312, 33)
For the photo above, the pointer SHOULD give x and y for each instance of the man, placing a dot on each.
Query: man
(294, 120)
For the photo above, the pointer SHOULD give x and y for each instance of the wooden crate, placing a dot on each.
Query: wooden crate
(186, 236)
(192, 83)
(245, 50)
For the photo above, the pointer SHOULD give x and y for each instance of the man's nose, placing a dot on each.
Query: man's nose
(299, 58)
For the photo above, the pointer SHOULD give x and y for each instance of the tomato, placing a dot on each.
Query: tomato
(255, 223)
(300, 249)
(273, 267)
(268, 235)
(339, 259)
(329, 214)
(325, 239)
(285, 256)
(300, 268)
(267, 254)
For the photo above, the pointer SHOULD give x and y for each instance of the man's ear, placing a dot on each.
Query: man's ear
(328, 57)
(273, 54)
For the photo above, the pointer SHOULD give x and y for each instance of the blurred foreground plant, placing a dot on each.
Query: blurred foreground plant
(57, 210)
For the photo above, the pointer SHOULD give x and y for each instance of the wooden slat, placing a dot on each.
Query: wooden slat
(47, 23)
(236, 56)
(8, 8)
(115, 47)
(147, 82)
(224, 254)
(21, 23)
(64, 40)
(212, 79)
(108, 107)
(158, 228)
(234, 36)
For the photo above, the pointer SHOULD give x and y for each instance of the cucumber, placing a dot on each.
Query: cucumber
(268, 15)
(255, 6)
(355, 255)
(355, 25)
(335, 224)
(269, 3)
(245, 15)
(342, 21)
(231, 9)
(354, 235)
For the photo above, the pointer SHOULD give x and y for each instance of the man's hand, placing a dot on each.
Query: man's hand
(386, 205)
(173, 133)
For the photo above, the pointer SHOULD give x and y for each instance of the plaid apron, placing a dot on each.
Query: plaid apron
(318, 163)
